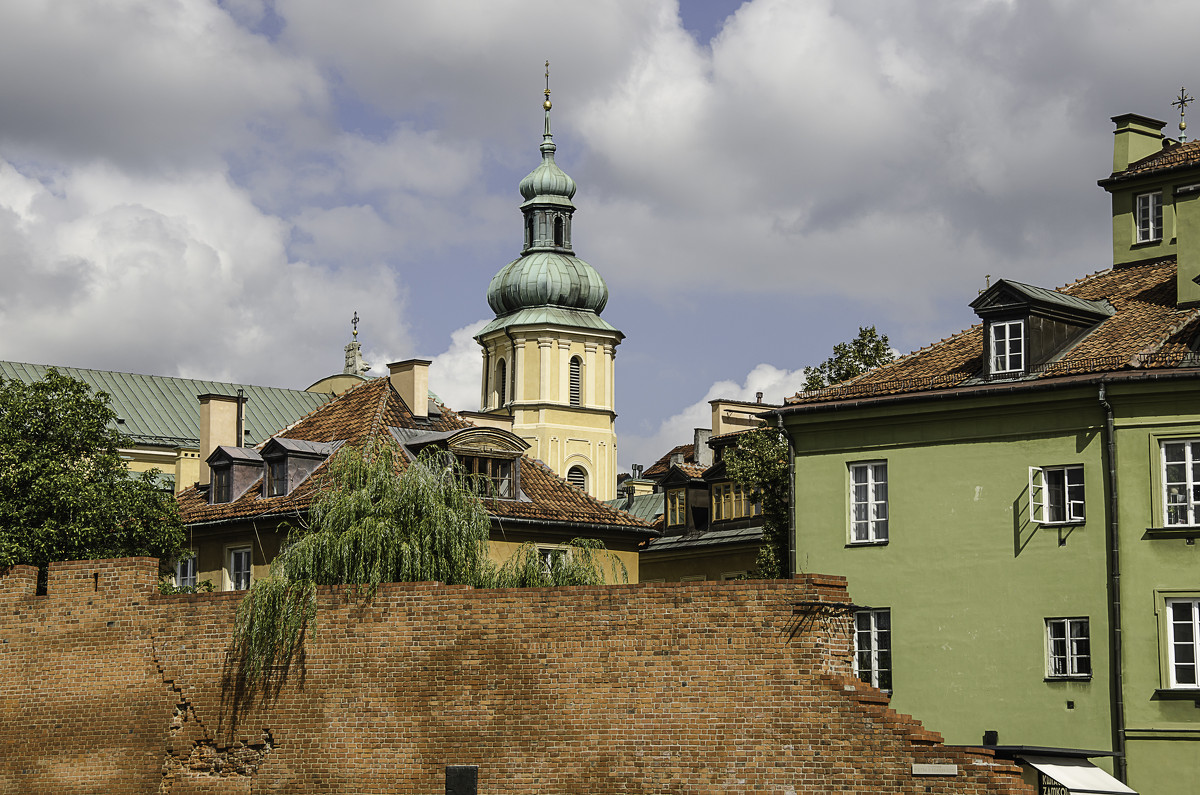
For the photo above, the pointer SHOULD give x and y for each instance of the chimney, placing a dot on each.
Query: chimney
(410, 379)
(1135, 137)
(220, 417)
(701, 452)
(758, 397)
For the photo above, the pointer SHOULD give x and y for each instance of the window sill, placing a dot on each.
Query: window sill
(1190, 531)
(1146, 243)
(882, 543)
(1079, 679)
(1177, 694)
(1072, 523)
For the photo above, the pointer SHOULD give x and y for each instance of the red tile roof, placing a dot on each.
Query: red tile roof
(660, 467)
(366, 411)
(1174, 155)
(1147, 330)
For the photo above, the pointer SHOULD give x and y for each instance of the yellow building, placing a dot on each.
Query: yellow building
(548, 356)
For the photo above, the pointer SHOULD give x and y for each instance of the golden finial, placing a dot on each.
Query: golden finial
(354, 324)
(546, 104)
(1182, 103)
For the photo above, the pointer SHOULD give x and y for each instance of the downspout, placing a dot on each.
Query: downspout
(1114, 590)
(790, 569)
(241, 418)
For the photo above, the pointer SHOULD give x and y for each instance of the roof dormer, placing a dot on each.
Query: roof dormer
(289, 462)
(490, 458)
(234, 471)
(1026, 326)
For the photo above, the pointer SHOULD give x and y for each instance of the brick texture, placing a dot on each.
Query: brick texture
(106, 686)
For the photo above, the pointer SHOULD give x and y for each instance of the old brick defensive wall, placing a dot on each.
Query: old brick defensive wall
(107, 686)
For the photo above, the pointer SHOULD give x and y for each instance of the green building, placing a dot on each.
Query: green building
(1016, 506)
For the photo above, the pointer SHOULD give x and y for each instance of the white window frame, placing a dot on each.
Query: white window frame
(868, 502)
(1006, 349)
(185, 570)
(231, 573)
(1148, 217)
(1183, 640)
(1053, 501)
(873, 647)
(1182, 495)
(1068, 648)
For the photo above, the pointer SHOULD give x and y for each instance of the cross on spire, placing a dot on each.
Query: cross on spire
(547, 103)
(1182, 103)
(354, 323)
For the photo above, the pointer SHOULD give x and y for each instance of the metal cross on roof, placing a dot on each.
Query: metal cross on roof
(547, 85)
(1182, 103)
(354, 323)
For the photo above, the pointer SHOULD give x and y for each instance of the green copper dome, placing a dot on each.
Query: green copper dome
(547, 278)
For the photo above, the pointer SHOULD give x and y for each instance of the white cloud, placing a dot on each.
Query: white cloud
(454, 375)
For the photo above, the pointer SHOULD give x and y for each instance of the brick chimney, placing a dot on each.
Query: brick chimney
(410, 379)
(222, 419)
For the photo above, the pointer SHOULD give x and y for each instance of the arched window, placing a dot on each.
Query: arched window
(577, 477)
(529, 230)
(576, 381)
(501, 382)
(558, 230)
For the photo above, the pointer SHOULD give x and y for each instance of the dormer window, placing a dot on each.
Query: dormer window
(234, 471)
(222, 484)
(289, 462)
(494, 478)
(277, 484)
(1008, 346)
(1149, 217)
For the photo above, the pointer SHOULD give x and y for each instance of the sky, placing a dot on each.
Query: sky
(213, 189)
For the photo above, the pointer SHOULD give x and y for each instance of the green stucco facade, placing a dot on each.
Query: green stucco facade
(970, 580)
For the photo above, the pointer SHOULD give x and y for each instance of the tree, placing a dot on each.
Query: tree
(65, 493)
(865, 352)
(369, 525)
(759, 463)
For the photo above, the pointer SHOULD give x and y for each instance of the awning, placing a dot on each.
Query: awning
(1078, 776)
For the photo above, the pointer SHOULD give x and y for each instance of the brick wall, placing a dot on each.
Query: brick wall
(106, 686)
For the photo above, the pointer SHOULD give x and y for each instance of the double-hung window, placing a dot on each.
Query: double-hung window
(1056, 495)
(1181, 482)
(239, 568)
(1183, 628)
(676, 507)
(1068, 648)
(1149, 217)
(873, 647)
(1007, 346)
(868, 502)
(185, 571)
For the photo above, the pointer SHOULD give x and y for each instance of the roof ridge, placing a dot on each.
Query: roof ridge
(152, 375)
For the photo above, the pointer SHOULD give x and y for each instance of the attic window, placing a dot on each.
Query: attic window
(1149, 217)
(1008, 346)
(289, 462)
(277, 484)
(491, 477)
(222, 485)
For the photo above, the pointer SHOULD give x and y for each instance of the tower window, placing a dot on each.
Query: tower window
(529, 230)
(576, 381)
(577, 477)
(558, 230)
(501, 382)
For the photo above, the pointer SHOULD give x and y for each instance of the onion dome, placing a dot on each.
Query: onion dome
(547, 278)
(547, 184)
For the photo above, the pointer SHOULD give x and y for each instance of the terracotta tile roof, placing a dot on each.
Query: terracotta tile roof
(660, 467)
(1173, 156)
(368, 410)
(692, 470)
(1146, 330)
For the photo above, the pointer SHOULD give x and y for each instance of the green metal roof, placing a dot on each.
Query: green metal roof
(550, 315)
(160, 410)
(646, 507)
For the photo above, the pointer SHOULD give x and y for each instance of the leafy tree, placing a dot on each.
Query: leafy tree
(865, 352)
(368, 525)
(759, 463)
(65, 493)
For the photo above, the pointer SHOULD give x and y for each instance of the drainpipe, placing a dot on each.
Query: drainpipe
(790, 566)
(1114, 590)
(241, 418)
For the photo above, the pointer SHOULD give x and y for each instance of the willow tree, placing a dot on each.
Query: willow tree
(369, 525)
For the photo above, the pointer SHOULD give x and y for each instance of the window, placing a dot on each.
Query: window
(553, 557)
(676, 507)
(577, 477)
(868, 503)
(239, 568)
(185, 571)
(490, 477)
(1183, 630)
(501, 383)
(732, 501)
(1181, 483)
(576, 381)
(277, 479)
(558, 230)
(1068, 648)
(1056, 495)
(529, 237)
(222, 485)
(1008, 346)
(1149, 217)
(873, 647)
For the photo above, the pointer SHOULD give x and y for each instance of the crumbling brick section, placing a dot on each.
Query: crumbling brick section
(106, 686)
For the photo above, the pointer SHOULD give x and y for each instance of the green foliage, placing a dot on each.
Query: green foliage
(65, 493)
(167, 587)
(865, 352)
(369, 526)
(759, 463)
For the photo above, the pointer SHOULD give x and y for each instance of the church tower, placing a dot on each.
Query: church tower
(548, 356)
